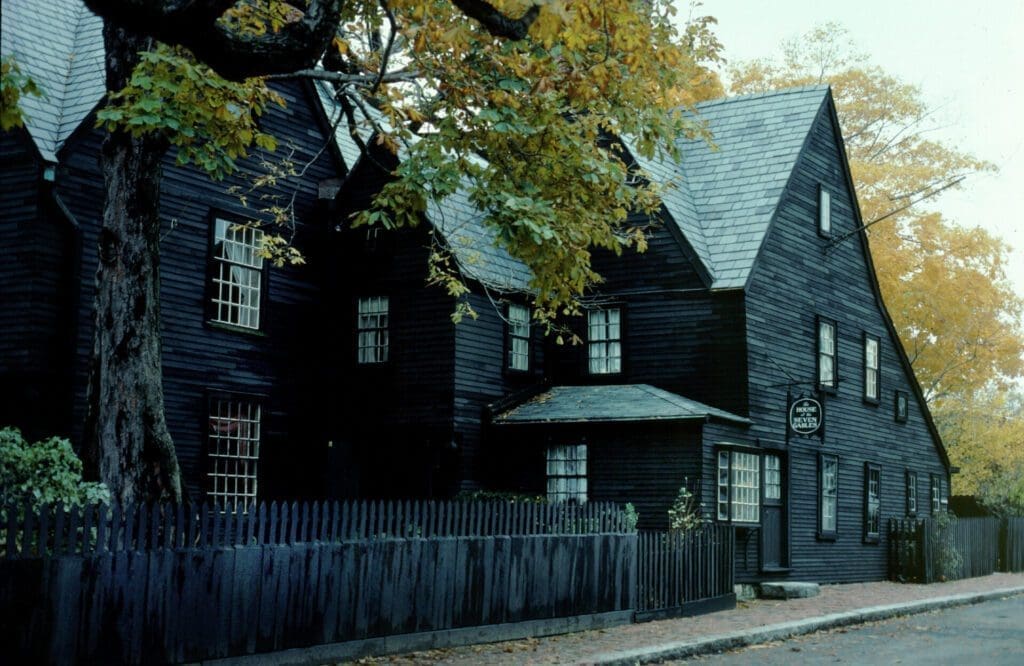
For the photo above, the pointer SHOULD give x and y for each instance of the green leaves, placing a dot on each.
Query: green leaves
(45, 472)
(13, 85)
(212, 121)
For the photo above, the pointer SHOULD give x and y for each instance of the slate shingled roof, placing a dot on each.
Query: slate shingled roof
(619, 402)
(59, 43)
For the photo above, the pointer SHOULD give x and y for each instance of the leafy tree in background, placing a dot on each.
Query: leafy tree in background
(943, 283)
(534, 87)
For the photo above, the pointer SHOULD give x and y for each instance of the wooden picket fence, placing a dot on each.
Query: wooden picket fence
(922, 552)
(160, 584)
(685, 572)
(98, 529)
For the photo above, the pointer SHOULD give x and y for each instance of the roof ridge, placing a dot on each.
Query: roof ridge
(729, 99)
(78, 9)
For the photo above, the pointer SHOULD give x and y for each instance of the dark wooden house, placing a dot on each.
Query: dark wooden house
(242, 340)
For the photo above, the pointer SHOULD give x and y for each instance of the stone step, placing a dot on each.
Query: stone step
(788, 590)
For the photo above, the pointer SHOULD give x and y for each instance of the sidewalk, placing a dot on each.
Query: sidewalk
(749, 623)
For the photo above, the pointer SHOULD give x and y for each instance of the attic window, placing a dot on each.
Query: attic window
(824, 211)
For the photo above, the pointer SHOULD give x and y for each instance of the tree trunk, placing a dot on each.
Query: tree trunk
(127, 445)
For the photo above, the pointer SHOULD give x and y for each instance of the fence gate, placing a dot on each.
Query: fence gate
(685, 572)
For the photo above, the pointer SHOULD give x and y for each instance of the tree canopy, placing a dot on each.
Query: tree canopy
(944, 282)
(512, 101)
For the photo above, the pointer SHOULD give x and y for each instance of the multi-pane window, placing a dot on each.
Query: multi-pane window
(237, 274)
(372, 329)
(911, 493)
(518, 337)
(828, 494)
(567, 473)
(826, 353)
(739, 486)
(871, 368)
(772, 477)
(872, 502)
(824, 212)
(939, 500)
(233, 451)
(604, 341)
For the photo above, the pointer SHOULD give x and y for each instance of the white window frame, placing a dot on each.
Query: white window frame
(233, 452)
(824, 211)
(566, 473)
(872, 368)
(518, 351)
(604, 341)
(372, 330)
(828, 357)
(739, 486)
(772, 477)
(872, 502)
(911, 480)
(237, 288)
(828, 495)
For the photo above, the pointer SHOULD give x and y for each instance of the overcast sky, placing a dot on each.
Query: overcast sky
(968, 59)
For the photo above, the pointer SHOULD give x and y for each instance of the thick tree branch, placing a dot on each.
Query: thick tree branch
(497, 23)
(195, 25)
(342, 77)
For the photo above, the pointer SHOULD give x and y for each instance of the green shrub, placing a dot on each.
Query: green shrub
(42, 473)
(686, 512)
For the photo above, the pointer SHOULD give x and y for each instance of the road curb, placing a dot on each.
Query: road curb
(784, 630)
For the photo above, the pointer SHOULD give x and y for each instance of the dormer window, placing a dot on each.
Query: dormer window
(604, 341)
(824, 212)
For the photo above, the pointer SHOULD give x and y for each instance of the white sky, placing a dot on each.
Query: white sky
(968, 59)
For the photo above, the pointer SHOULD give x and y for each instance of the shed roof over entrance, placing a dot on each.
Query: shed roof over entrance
(610, 403)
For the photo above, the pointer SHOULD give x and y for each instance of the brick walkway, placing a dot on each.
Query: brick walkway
(582, 647)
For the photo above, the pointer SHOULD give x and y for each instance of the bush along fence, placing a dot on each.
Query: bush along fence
(948, 548)
(162, 584)
(685, 572)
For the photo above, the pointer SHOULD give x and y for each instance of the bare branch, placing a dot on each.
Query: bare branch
(343, 78)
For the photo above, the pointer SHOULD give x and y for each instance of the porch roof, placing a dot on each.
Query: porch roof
(610, 403)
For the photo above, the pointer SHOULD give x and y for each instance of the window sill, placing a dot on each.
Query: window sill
(231, 328)
(874, 402)
(831, 390)
(827, 536)
(873, 539)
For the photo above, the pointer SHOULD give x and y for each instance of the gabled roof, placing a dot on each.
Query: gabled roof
(472, 241)
(59, 44)
(614, 403)
(725, 194)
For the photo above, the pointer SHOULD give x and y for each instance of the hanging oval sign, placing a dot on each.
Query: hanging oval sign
(805, 416)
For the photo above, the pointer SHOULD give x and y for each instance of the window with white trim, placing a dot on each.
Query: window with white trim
(604, 341)
(911, 493)
(237, 274)
(372, 329)
(233, 452)
(871, 368)
(772, 477)
(826, 353)
(739, 490)
(828, 495)
(939, 499)
(824, 211)
(518, 337)
(872, 502)
(567, 473)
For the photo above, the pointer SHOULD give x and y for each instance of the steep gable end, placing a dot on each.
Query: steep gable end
(59, 44)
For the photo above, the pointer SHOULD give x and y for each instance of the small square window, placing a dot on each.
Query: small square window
(604, 341)
(372, 330)
(233, 452)
(824, 212)
(518, 351)
(237, 284)
(871, 368)
(567, 473)
(872, 502)
(827, 357)
(901, 406)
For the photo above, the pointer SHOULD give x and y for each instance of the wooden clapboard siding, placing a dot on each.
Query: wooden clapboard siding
(278, 364)
(793, 282)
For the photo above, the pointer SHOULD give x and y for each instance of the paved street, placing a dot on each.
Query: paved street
(989, 633)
